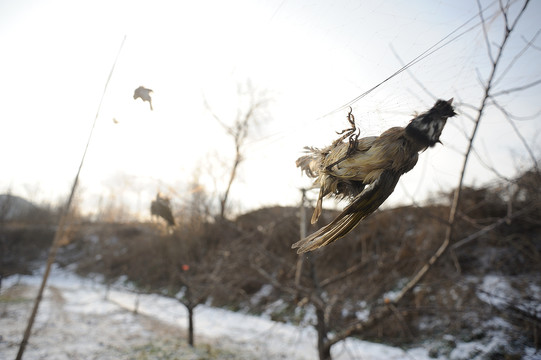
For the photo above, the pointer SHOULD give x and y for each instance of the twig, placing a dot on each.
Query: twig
(524, 143)
(343, 274)
(488, 228)
(485, 33)
(456, 199)
(518, 88)
(517, 56)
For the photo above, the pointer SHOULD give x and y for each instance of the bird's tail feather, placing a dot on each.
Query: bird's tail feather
(363, 205)
(329, 233)
(317, 210)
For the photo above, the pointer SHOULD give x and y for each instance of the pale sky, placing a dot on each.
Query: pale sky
(310, 56)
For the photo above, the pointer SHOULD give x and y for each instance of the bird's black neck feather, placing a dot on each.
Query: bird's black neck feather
(419, 136)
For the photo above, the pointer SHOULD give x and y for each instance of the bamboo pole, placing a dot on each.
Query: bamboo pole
(61, 224)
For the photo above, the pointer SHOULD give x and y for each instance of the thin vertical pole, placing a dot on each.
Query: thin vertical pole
(302, 228)
(60, 229)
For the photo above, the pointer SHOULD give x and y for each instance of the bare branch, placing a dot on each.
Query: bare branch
(456, 199)
(490, 227)
(521, 12)
(532, 45)
(383, 312)
(514, 126)
(518, 56)
(349, 271)
(469, 106)
(485, 33)
(361, 326)
(216, 117)
(518, 88)
(307, 292)
(488, 166)
(504, 10)
(239, 131)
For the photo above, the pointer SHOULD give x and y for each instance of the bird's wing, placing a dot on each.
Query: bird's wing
(336, 168)
(362, 205)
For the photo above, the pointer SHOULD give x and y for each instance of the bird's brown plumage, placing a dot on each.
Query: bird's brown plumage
(162, 207)
(367, 170)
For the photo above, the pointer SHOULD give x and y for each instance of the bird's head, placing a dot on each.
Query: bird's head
(426, 128)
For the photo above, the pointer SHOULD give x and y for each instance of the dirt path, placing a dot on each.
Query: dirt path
(71, 330)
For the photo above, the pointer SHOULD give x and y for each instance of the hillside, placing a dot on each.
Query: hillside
(484, 292)
(14, 207)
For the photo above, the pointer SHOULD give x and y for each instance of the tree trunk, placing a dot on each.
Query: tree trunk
(223, 200)
(190, 325)
(323, 350)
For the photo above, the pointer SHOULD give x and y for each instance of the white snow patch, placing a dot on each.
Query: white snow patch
(240, 332)
(264, 292)
(495, 290)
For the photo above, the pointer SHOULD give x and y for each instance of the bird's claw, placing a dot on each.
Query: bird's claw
(352, 133)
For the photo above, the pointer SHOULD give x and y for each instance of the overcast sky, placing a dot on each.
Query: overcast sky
(311, 57)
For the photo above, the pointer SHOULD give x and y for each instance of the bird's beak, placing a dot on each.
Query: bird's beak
(450, 101)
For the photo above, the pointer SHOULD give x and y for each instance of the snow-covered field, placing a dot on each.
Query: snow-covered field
(76, 321)
(79, 319)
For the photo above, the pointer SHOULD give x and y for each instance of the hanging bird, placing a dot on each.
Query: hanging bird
(162, 207)
(144, 94)
(366, 170)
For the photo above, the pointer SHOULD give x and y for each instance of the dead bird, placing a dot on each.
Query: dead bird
(144, 94)
(366, 170)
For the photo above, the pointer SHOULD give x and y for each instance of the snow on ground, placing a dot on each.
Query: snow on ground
(76, 321)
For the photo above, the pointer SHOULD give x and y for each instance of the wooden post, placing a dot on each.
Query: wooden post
(302, 228)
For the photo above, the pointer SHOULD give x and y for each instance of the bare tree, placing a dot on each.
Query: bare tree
(328, 292)
(488, 86)
(194, 260)
(196, 267)
(252, 109)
